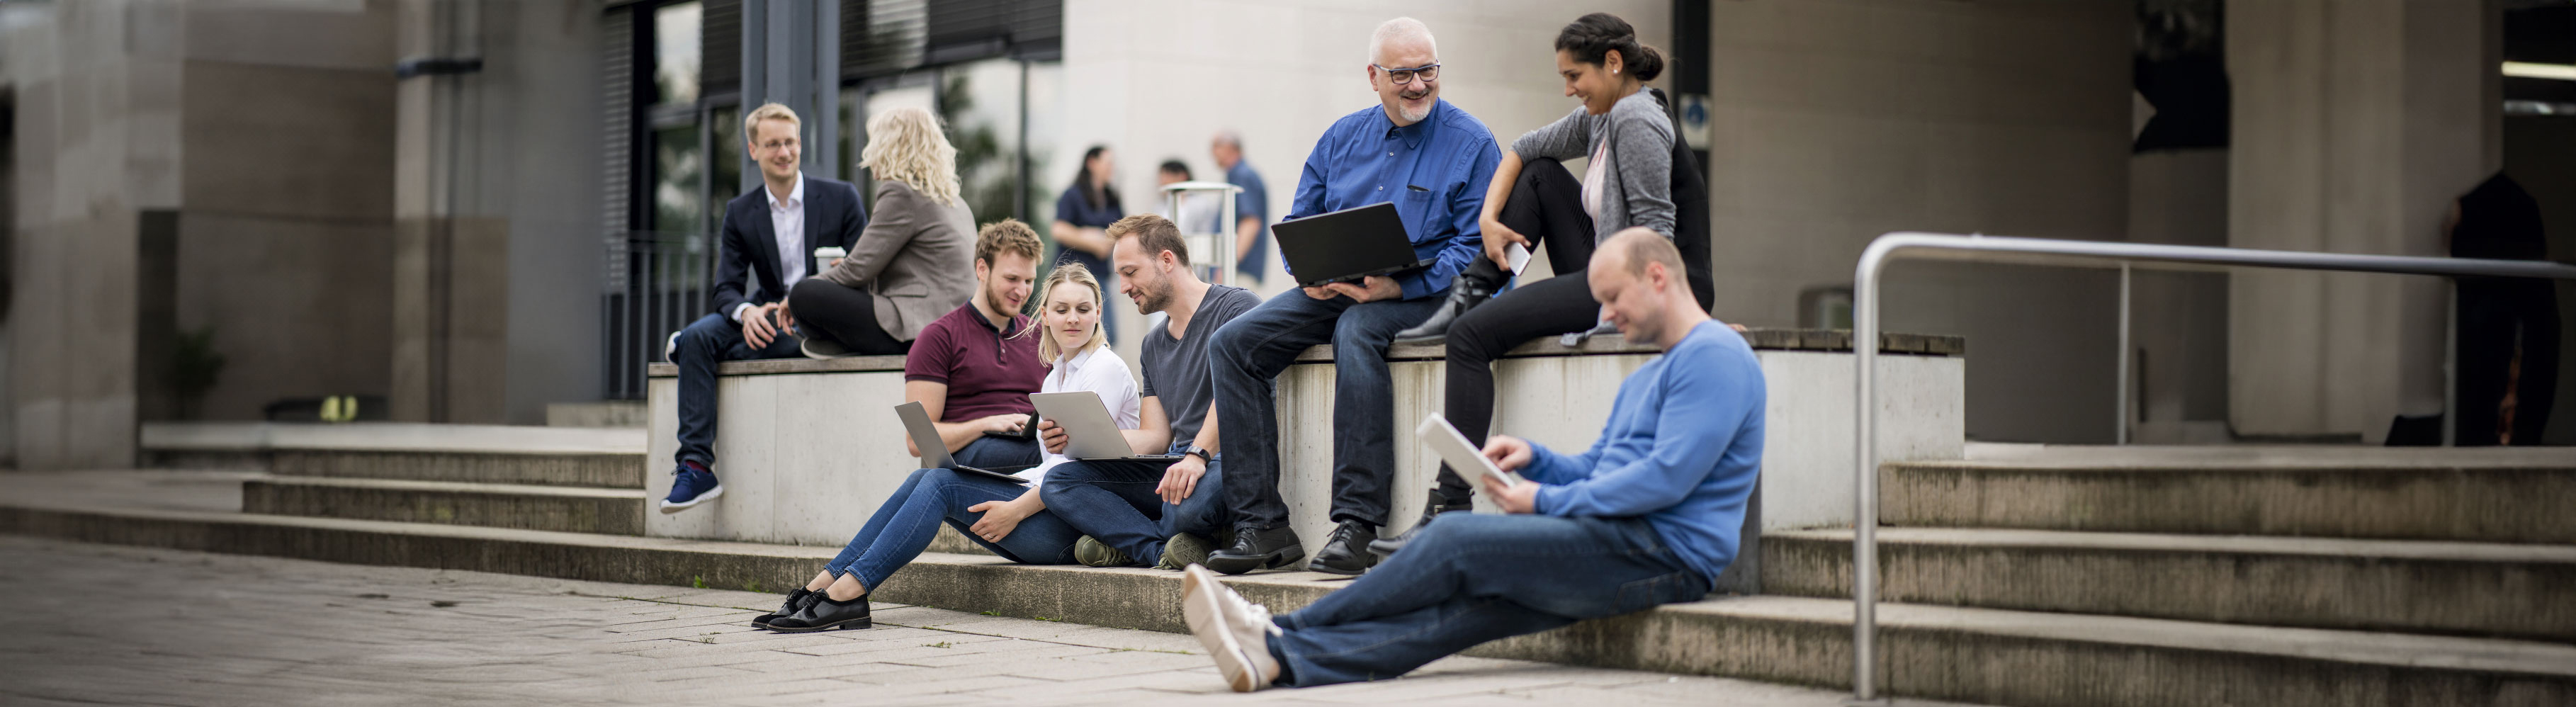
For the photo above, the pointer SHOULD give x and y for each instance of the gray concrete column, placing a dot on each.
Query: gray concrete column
(495, 299)
(2355, 123)
(791, 55)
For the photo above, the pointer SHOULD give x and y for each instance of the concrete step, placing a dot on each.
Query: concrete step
(624, 471)
(2479, 589)
(1968, 654)
(2477, 495)
(496, 454)
(557, 508)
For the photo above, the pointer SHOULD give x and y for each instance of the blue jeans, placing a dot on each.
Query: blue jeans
(1114, 502)
(1471, 578)
(1253, 348)
(904, 525)
(711, 340)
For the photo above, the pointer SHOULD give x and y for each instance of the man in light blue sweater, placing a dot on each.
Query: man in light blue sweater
(1647, 516)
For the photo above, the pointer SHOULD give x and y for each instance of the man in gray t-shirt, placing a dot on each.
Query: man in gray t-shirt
(1161, 511)
(1176, 370)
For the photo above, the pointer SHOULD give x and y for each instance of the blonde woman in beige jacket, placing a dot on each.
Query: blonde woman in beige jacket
(915, 260)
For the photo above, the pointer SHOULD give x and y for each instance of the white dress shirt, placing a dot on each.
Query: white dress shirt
(1098, 370)
(787, 220)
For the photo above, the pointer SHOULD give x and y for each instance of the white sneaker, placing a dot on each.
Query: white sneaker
(1236, 632)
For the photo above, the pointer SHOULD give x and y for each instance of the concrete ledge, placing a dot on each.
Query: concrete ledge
(556, 508)
(1980, 655)
(2375, 585)
(806, 457)
(1828, 340)
(2464, 495)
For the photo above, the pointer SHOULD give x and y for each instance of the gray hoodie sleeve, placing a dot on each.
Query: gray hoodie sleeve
(1642, 147)
(1567, 138)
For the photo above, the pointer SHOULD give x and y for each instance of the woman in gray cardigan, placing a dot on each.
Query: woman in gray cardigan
(914, 262)
(1535, 202)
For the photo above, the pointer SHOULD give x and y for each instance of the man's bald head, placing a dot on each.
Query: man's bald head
(1636, 246)
(1638, 279)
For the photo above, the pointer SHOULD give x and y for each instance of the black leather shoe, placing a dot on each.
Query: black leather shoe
(1440, 503)
(1258, 550)
(795, 602)
(1464, 294)
(823, 614)
(1347, 551)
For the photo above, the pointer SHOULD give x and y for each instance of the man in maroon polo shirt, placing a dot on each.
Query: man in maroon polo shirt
(971, 370)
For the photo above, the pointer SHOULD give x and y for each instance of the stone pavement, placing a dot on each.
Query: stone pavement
(90, 624)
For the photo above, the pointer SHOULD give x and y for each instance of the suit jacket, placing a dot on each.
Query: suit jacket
(747, 253)
(917, 259)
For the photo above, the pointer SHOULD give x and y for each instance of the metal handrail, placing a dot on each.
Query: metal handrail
(2056, 252)
(1220, 251)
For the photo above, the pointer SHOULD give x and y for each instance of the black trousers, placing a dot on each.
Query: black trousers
(846, 315)
(2494, 316)
(1546, 207)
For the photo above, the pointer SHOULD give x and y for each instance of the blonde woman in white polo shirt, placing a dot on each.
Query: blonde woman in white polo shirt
(1009, 519)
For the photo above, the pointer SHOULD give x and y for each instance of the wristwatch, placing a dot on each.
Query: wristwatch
(1202, 453)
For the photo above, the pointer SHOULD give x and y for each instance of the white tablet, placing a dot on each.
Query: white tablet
(1462, 456)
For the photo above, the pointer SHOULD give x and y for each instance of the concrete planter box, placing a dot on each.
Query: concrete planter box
(807, 449)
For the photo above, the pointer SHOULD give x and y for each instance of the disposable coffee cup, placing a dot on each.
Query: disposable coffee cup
(824, 256)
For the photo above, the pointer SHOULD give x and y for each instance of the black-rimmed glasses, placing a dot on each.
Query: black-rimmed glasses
(1428, 72)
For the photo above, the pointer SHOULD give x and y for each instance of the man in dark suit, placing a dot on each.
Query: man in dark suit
(769, 237)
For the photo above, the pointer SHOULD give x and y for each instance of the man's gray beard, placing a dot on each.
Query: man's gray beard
(1409, 115)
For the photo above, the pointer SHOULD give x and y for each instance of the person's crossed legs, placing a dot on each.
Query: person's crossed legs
(1117, 503)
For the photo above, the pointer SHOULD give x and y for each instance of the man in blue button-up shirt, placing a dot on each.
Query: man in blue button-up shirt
(1431, 159)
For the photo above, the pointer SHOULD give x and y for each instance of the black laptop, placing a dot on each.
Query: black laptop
(934, 454)
(1346, 245)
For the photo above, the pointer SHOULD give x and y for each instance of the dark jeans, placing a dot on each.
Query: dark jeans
(1546, 207)
(847, 315)
(711, 340)
(1251, 350)
(1114, 502)
(2493, 316)
(1467, 579)
(904, 525)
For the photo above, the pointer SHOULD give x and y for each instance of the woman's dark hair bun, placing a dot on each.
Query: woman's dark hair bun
(1591, 38)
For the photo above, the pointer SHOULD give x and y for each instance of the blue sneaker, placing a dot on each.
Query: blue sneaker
(690, 487)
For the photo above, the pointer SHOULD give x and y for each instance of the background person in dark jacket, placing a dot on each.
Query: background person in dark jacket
(1083, 214)
(2508, 327)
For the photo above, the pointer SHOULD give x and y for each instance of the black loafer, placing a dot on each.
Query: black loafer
(823, 614)
(1347, 551)
(1258, 549)
(795, 602)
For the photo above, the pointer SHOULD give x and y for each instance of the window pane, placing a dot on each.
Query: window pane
(726, 126)
(675, 52)
(980, 102)
(679, 174)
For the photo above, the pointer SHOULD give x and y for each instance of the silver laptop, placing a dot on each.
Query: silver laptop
(1089, 431)
(934, 454)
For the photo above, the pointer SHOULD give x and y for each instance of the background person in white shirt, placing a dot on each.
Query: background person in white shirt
(1009, 519)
